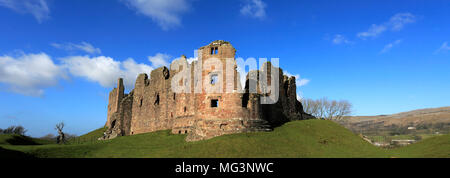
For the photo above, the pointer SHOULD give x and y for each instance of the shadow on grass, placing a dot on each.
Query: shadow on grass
(11, 154)
(21, 140)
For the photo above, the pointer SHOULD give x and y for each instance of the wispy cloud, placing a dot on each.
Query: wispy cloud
(298, 80)
(29, 74)
(340, 39)
(38, 8)
(254, 9)
(395, 23)
(83, 46)
(159, 60)
(373, 31)
(389, 46)
(398, 21)
(444, 48)
(166, 13)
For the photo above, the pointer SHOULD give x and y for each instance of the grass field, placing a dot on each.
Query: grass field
(310, 138)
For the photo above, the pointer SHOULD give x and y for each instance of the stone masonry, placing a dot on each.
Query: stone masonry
(153, 106)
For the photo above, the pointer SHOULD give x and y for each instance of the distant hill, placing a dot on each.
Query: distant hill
(421, 121)
(308, 138)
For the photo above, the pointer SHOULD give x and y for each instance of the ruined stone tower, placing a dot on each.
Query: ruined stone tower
(115, 97)
(210, 105)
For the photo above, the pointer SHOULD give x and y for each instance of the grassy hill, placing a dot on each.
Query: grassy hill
(310, 138)
(9, 140)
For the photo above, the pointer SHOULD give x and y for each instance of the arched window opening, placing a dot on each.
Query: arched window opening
(214, 79)
(214, 50)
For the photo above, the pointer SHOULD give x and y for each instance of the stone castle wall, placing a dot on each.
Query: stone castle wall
(153, 106)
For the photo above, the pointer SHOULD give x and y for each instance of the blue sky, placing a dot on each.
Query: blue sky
(59, 59)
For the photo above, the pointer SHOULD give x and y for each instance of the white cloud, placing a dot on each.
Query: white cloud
(105, 70)
(398, 21)
(389, 46)
(254, 8)
(159, 60)
(395, 23)
(298, 80)
(38, 8)
(29, 74)
(167, 13)
(83, 46)
(373, 31)
(339, 39)
(444, 47)
(302, 82)
(131, 70)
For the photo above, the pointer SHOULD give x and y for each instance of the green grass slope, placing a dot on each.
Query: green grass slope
(10, 140)
(310, 138)
(89, 137)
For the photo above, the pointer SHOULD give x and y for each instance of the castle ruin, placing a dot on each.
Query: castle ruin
(153, 105)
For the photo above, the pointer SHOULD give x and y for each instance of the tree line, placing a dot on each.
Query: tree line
(19, 130)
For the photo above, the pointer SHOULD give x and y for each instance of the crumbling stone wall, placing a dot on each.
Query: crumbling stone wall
(126, 114)
(152, 105)
(115, 97)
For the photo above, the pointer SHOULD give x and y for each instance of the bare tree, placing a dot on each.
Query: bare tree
(326, 109)
(321, 104)
(311, 106)
(331, 108)
(344, 108)
(61, 137)
(306, 105)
